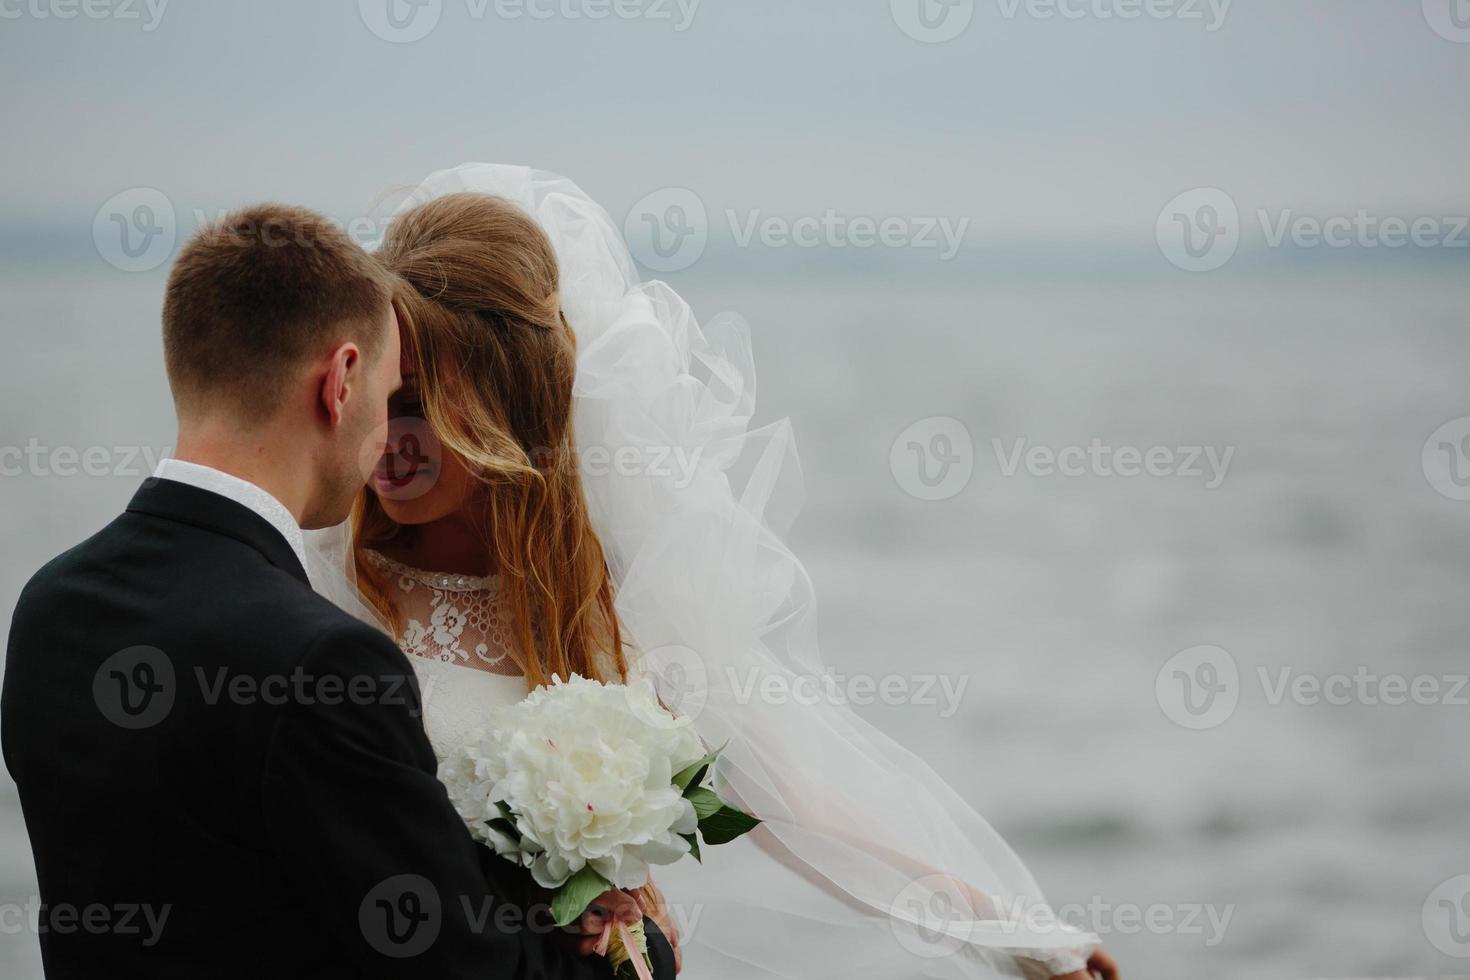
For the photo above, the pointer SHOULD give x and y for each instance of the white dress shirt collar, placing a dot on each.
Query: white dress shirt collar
(242, 492)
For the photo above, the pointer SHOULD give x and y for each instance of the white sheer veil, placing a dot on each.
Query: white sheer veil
(867, 863)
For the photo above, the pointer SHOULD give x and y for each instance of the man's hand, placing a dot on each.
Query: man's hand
(614, 904)
(1099, 965)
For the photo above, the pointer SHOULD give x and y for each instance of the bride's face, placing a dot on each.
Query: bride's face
(417, 480)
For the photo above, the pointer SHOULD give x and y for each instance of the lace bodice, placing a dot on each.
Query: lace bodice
(456, 632)
(452, 618)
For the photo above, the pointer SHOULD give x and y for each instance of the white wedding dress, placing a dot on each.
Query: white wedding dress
(866, 864)
(456, 636)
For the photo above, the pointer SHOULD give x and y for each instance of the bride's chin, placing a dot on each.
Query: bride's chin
(403, 511)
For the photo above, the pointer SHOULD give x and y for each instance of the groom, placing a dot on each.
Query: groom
(222, 774)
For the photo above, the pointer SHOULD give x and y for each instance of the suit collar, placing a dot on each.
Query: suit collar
(211, 511)
(240, 491)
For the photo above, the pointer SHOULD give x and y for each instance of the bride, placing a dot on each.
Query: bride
(502, 552)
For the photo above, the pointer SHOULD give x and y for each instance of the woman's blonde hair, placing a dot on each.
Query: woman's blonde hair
(495, 357)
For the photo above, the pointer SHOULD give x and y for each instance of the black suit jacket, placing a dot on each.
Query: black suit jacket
(224, 775)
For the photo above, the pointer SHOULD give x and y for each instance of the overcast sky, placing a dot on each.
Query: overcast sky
(1079, 126)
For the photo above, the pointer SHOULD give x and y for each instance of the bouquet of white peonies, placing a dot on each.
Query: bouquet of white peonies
(587, 785)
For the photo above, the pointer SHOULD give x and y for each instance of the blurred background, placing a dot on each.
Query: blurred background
(1127, 347)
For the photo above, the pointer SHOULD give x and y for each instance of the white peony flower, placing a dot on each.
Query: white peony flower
(586, 771)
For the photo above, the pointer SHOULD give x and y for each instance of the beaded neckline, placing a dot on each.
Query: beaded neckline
(447, 581)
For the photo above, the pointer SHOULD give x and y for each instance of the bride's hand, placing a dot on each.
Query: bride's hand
(619, 905)
(1099, 964)
(651, 901)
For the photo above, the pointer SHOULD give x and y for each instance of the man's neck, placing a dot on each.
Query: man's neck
(254, 458)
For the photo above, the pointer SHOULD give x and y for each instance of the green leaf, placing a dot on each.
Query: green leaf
(726, 824)
(579, 892)
(693, 774)
(505, 827)
(506, 822)
(706, 803)
(693, 840)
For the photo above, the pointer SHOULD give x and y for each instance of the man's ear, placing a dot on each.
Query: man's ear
(337, 382)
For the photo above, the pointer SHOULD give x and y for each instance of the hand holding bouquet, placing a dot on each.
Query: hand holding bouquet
(588, 785)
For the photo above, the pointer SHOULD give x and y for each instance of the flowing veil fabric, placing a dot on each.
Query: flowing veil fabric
(867, 864)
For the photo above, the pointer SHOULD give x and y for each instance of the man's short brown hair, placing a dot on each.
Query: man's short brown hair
(259, 293)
